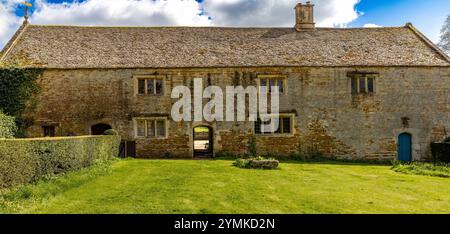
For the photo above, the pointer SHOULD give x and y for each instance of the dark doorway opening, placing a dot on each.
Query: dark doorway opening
(203, 142)
(127, 149)
(49, 131)
(405, 147)
(99, 129)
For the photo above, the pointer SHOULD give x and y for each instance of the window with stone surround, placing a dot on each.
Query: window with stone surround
(273, 82)
(151, 127)
(285, 126)
(362, 83)
(150, 85)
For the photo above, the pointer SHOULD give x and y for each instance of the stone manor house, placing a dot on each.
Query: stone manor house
(359, 93)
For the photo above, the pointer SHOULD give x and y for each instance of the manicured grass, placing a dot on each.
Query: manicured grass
(164, 186)
(22, 197)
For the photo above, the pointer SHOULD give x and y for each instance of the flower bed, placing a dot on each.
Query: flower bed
(257, 163)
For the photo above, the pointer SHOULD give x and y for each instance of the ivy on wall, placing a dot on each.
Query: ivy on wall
(18, 89)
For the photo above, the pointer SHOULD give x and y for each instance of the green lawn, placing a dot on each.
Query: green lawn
(163, 186)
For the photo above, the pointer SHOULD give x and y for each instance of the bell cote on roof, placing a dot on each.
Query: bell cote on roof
(304, 16)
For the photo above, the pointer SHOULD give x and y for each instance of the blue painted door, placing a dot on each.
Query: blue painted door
(404, 147)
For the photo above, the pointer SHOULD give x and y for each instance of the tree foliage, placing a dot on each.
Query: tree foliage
(445, 36)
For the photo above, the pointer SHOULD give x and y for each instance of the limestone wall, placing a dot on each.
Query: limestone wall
(327, 116)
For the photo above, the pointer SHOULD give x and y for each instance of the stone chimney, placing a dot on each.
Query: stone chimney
(304, 16)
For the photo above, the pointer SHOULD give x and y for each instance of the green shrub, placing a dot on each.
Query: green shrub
(241, 163)
(7, 126)
(257, 163)
(111, 132)
(421, 168)
(26, 160)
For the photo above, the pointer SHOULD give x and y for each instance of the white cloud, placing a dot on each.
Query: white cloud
(121, 12)
(372, 26)
(9, 22)
(104, 12)
(328, 13)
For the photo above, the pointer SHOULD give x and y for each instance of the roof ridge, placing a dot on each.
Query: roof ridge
(427, 41)
(218, 27)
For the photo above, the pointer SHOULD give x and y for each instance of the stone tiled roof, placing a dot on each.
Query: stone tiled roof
(161, 47)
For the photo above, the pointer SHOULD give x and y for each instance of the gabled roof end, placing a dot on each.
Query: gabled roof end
(427, 41)
(13, 40)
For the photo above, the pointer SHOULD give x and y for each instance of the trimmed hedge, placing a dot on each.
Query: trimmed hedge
(7, 126)
(26, 160)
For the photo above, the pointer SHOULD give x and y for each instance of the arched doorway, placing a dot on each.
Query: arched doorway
(405, 147)
(99, 129)
(203, 141)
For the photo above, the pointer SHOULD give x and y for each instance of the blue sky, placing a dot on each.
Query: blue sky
(428, 16)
